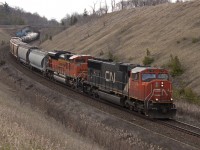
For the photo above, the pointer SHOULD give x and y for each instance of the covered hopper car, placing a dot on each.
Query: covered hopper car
(38, 59)
(23, 53)
(15, 42)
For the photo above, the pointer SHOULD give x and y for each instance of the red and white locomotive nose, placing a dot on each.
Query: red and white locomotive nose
(160, 91)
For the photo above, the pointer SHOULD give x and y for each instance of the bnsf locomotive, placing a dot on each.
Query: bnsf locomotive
(144, 89)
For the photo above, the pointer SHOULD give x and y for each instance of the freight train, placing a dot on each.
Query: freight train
(144, 89)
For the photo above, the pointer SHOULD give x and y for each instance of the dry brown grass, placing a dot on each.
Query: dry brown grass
(187, 110)
(23, 128)
(131, 32)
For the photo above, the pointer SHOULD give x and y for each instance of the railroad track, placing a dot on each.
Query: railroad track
(177, 125)
(129, 116)
(183, 127)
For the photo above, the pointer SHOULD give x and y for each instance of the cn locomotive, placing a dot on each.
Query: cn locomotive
(144, 89)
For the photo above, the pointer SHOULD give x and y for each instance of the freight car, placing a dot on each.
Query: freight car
(23, 53)
(23, 32)
(143, 89)
(139, 88)
(27, 34)
(30, 36)
(38, 60)
(15, 42)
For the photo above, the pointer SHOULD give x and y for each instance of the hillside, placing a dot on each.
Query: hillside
(164, 29)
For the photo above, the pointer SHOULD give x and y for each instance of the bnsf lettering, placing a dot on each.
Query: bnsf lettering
(109, 76)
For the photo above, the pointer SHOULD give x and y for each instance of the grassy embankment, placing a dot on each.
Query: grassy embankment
(24, 128)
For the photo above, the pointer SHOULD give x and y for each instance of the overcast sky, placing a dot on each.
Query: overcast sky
(53, 9)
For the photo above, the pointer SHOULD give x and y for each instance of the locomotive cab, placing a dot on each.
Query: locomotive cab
(151, 90)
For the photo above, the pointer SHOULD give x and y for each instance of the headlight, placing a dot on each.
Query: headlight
(171, 99)
(162, 84)
(156, 99)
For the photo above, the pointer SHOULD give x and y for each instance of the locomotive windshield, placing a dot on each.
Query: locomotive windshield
(148, 76)
(80, 61)
(163, 76)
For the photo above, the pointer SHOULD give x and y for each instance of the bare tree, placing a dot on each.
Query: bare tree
(106, 7)
(113, 5)
(94, 8)
(6, 7)
(141, 3)
(122, 4)
(102, 9)
(85, 13)
(135, 3)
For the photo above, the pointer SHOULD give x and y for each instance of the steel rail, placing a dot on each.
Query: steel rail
(181, 126)
(192, 130)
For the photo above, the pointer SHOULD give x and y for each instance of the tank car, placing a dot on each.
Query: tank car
(30, 36)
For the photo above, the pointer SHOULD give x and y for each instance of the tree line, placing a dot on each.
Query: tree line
(104, 6)
(17, 16)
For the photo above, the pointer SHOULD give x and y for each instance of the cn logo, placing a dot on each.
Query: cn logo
(109, 76)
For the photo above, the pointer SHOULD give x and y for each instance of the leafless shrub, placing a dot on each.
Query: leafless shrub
(2, 62)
